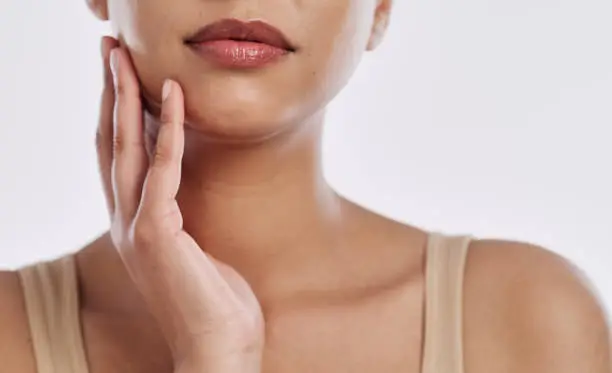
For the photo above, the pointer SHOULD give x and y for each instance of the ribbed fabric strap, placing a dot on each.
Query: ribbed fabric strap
(443, 345)
(51, 296)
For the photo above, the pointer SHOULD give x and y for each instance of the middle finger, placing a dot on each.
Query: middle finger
(129, 155)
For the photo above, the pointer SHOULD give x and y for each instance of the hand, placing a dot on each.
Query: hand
(207, 312)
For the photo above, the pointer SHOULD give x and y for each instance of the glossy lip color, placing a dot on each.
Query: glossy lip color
(237, 44)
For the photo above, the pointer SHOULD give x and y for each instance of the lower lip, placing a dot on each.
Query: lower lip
(239, 54)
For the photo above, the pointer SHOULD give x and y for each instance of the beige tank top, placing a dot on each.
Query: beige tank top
(51, 295)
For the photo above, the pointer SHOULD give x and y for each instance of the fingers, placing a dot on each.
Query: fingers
(178, 280)
(164, 175)
(181, 284)
(129, 156)
(104, 131)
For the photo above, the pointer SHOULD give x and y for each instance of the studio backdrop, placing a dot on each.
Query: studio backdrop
(489, 117)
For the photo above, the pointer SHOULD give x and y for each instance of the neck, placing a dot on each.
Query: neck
(266, 210)
(263, 208)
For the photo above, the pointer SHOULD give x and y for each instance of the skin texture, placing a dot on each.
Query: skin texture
(245, 106)
(252, 197)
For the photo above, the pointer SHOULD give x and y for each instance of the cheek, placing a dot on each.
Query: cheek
(147, 29)
(332, 35)
(337, 33)
(138, 23)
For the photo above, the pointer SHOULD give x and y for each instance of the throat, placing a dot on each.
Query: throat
(266, 235)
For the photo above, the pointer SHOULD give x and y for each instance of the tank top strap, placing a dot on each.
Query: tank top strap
(443, 340)
(51, 295)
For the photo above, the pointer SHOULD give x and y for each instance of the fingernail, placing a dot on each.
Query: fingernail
(166, 89)
(114, 63)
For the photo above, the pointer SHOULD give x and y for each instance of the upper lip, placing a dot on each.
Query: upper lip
(234, 29)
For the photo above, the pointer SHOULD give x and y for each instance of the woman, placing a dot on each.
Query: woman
(228, 252)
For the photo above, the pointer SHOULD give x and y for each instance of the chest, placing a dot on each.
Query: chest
(357, 340)
(382, 335)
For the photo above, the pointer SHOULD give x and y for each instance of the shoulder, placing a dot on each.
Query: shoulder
(15, 343)
(528, 309)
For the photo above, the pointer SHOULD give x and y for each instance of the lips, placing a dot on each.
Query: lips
(232, 43)
(237, 30)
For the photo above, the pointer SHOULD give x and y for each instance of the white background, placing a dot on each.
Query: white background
(491, 117)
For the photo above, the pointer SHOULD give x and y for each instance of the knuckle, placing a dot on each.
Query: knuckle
(125, 88)
(122, 87)
(161, 157)
(121, 142)
(166, 118)
(143, 234)
(171, 216)
(118, 144)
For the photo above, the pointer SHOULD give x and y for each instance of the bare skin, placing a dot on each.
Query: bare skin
(340, 288)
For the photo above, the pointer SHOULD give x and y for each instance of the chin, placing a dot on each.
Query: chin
(238, 110)
(230, 117)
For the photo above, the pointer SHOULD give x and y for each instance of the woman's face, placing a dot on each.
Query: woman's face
(329, 37)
